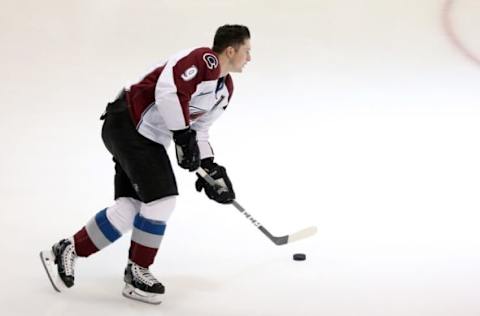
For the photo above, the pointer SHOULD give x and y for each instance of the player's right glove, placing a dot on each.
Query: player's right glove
(186, 147)
(223, 190)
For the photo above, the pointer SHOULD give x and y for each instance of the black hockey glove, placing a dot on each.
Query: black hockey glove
(188, 154)
(223, 192)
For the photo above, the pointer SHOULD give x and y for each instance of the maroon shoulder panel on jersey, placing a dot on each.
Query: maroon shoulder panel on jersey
(229, 84)
(142, 94)
(199, 65)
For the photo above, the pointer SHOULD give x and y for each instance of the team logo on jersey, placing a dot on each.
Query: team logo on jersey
(211, 60)
(190, 73)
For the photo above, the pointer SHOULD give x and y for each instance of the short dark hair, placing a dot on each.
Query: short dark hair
(230, 35)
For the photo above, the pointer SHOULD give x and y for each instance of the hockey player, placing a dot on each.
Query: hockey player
(178, 100)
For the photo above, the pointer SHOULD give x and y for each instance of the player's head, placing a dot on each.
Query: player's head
(234, 42)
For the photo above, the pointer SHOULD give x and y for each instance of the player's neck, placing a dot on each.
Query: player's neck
(224, 65)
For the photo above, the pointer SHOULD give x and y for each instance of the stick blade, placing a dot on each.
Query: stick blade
(302, 234)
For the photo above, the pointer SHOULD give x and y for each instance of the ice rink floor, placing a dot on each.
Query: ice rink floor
(359, 117)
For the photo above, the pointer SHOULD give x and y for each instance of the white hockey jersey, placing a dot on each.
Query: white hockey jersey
(185, 91)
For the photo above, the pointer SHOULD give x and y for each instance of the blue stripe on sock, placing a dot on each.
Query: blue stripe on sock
(106, 227)
(149, 226)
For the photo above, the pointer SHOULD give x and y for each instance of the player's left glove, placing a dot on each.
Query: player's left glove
(221, 193)
(186, 147)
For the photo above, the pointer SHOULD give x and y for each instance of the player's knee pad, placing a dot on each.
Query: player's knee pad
(159, 210)
(122, 213)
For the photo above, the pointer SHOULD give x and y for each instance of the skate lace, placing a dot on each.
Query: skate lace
(145, 275)
(68, 258)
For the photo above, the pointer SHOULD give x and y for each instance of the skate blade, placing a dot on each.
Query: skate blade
(48, 261)
(135, 294)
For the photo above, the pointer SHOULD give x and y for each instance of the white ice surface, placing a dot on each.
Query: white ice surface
(359, 117)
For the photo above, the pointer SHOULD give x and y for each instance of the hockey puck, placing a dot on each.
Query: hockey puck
(299, 257)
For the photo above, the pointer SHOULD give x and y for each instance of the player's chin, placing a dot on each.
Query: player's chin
(240, 69)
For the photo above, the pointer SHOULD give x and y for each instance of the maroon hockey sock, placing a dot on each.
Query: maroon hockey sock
(146, 238)
(96, 235)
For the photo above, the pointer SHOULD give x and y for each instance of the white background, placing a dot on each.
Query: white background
(359, 117)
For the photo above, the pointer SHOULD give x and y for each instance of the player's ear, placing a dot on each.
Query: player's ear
(230, 51)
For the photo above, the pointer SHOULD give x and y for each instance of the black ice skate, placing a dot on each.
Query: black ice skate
(141, 285)
(59, 263)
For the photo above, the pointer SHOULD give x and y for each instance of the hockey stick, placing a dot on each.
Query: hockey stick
(277, 240)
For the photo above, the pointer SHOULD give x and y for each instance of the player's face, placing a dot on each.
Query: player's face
(241, 57)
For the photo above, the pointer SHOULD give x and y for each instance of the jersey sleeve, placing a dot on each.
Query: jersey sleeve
(179, 81)
(202, 126)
